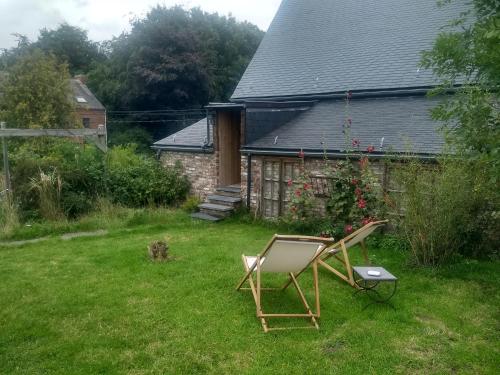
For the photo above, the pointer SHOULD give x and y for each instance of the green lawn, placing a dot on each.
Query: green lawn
(98, 305)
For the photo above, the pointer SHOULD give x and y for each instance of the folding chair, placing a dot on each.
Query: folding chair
(285, 254)
(343, 245)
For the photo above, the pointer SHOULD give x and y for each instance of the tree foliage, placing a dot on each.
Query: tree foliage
(466, 56)
(36, 93)
(70, 44)
(174, 58)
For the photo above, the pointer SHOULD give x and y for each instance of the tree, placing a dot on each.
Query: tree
(466, 57)
(174, 58)
(70, 44)
(36, 93)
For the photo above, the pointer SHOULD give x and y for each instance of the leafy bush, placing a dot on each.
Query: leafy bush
(191, 204)
(136, 180)
(85, 174)
(355, 196)
(448, 210)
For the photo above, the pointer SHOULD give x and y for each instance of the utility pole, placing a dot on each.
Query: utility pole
(5, 161)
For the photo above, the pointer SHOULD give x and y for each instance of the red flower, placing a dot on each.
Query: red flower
(289, 182)
(298, 193)
(348, 229)
(354, 181)
(307, 186)
(301, 154)
(366, 220)
(355, 142)
(358, 192)
(370, 149)
(361, 203)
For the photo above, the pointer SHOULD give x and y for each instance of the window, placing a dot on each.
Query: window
(81, 99)
(86, 122)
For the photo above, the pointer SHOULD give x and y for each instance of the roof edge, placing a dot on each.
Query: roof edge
(408, 91)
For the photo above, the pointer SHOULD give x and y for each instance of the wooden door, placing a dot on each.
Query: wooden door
(228, 125)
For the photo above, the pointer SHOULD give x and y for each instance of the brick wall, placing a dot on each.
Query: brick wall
(201, 169)
(96, 117)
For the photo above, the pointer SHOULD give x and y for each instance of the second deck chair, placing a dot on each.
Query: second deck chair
(290, 255)
(339, 251)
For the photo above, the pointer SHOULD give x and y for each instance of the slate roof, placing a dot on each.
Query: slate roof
(81, 90)
(404, 124)
(192, 137)
(329, 46)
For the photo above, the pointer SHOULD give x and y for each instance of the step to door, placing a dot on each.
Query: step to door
(224, 200)
(217, 210)
(229, 191)
(203, 216)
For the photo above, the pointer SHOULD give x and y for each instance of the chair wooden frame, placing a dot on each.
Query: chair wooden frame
(342, 247)
(256, 287)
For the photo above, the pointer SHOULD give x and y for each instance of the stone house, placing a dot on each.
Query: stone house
(292, 98)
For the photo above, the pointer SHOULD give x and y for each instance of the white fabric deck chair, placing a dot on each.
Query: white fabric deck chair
(343, 245)
(285, 254)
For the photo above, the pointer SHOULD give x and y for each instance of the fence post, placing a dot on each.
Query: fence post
(5, 160)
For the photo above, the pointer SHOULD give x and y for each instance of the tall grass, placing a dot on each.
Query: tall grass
(49, 188)
(448, 210)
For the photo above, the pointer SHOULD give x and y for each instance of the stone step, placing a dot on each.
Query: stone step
(203, 216)
(217, 210)
(224, 200)
(229, 191)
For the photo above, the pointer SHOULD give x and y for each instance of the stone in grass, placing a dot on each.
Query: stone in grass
(158, 251)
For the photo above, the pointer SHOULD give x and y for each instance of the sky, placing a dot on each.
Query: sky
(107, 18)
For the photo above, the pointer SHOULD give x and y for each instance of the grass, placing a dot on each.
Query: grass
(98, 305)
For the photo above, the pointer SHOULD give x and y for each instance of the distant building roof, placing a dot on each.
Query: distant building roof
(83, 97)
(391, 124)
(330, 46)
(190, 138)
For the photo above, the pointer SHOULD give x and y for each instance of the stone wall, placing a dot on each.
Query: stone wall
(200, 168)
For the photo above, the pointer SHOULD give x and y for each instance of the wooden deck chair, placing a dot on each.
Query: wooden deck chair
(341, 248)
(285, 254)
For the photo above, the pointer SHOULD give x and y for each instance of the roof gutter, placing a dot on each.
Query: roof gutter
(197, 149)
(337, 154)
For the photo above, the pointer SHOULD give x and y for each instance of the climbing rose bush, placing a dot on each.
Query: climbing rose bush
(354, 196)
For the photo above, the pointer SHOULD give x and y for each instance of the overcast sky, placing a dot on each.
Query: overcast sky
(105, 18)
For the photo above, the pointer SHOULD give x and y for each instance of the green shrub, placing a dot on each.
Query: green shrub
(136, 180)
(123, 176)
(191, 204)
(448, 210)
